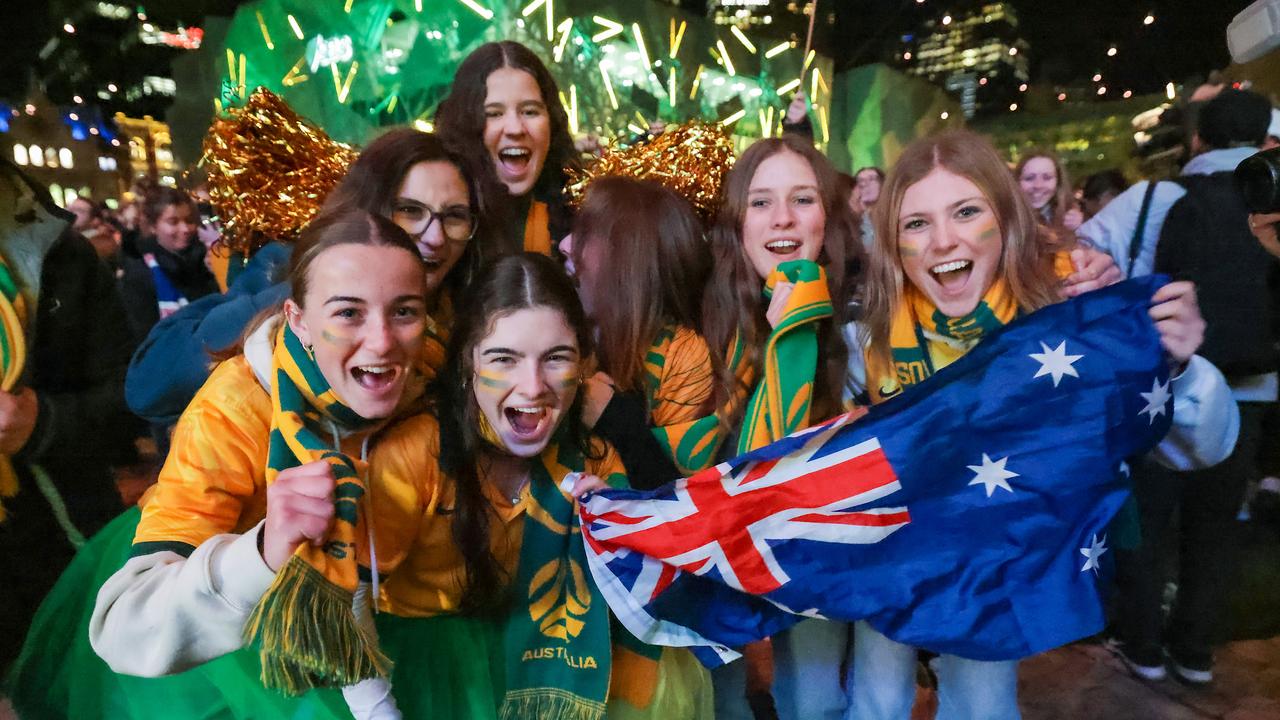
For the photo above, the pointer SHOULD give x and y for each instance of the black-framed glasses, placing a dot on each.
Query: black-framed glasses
(457, 222)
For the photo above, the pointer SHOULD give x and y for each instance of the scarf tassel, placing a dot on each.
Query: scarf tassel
(548, 704)
(309, 635)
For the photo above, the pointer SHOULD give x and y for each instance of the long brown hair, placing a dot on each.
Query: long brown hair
(510, 283)
(651, 267)
(734, 302)
(460, 122)
(1060, 203)
(1025, 257)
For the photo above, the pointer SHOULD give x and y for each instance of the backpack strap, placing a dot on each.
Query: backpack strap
(1135, 243)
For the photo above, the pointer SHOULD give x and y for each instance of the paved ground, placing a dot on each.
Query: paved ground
(1086, 682)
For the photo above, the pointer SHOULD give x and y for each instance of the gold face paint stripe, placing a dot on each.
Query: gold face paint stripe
(490, 381)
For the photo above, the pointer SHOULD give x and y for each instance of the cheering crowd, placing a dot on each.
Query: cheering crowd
(379, 434)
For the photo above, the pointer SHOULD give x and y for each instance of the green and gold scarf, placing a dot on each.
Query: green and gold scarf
(557, 635)
(13, 358)
(922, 340)
(305, 626)
(780, 404)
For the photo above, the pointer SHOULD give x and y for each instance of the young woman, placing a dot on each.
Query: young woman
(640, 261)
(405, 175)
(168, 270)
(492, 610)
(1046, 187)
(959, 254)
(296, 409)
(638, 255)
(777, 298)
(503, 112)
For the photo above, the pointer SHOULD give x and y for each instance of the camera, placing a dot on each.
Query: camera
(1258, 179)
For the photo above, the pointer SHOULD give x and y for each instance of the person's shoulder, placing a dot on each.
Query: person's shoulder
(689, 344)
(234, 390)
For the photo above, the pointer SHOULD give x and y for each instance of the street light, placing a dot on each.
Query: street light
(1111, 51)
(1150, 18)
(69, 28)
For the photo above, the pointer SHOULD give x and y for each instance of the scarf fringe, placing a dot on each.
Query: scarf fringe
(309, 635)
(548, 704)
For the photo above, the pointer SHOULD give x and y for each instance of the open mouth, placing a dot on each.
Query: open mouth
(782, 247)
(376, 378)
(528, 423)
(952, 275)
(515, 161)
(432, 264)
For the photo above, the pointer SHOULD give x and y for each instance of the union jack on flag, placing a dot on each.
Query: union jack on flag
(967, 516)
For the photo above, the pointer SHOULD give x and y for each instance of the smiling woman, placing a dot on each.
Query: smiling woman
(258, 505)
(777, 298)
(959, 254)
(504, 113)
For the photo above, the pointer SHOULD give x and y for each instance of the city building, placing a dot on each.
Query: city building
(52, 145)
(782, 19)
(150, 149)
(619, 65)
(974, 51)
(116, 56)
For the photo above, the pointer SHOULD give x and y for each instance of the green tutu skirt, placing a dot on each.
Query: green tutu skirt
(446, 667)
(58, 675)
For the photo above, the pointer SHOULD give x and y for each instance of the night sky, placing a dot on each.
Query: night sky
(1068, 38)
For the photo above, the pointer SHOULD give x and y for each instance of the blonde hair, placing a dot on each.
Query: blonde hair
(1060, 203)
(1025, 255)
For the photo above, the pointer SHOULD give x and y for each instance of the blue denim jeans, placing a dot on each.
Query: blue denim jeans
(882, 682)
(806, 682)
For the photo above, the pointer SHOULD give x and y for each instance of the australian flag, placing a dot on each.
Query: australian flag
(967, 516)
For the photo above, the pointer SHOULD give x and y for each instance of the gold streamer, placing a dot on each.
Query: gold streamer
(269, 171)
(691, 159)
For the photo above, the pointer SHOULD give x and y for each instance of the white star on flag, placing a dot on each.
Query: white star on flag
(1156, 400)
(1055, 362)
(1124, 469)
(1097, 548)
(992, 474)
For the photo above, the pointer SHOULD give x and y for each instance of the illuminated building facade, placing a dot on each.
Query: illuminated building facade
(150, 149)
(973, 50)
(53, 149)
(358, 65)
(784, 19)
(112, 54)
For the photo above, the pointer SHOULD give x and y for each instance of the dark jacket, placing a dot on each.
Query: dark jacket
(77, 352)
(1206, 239)
(173, 362)
(186, 270)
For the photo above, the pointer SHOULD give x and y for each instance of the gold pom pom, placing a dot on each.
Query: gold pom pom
(269, 171)
(691, 159)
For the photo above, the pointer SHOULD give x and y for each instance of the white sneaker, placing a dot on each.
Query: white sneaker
(1150, 673)
(1191, 675)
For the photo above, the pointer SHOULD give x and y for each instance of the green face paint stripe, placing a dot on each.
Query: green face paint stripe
(991, 233)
